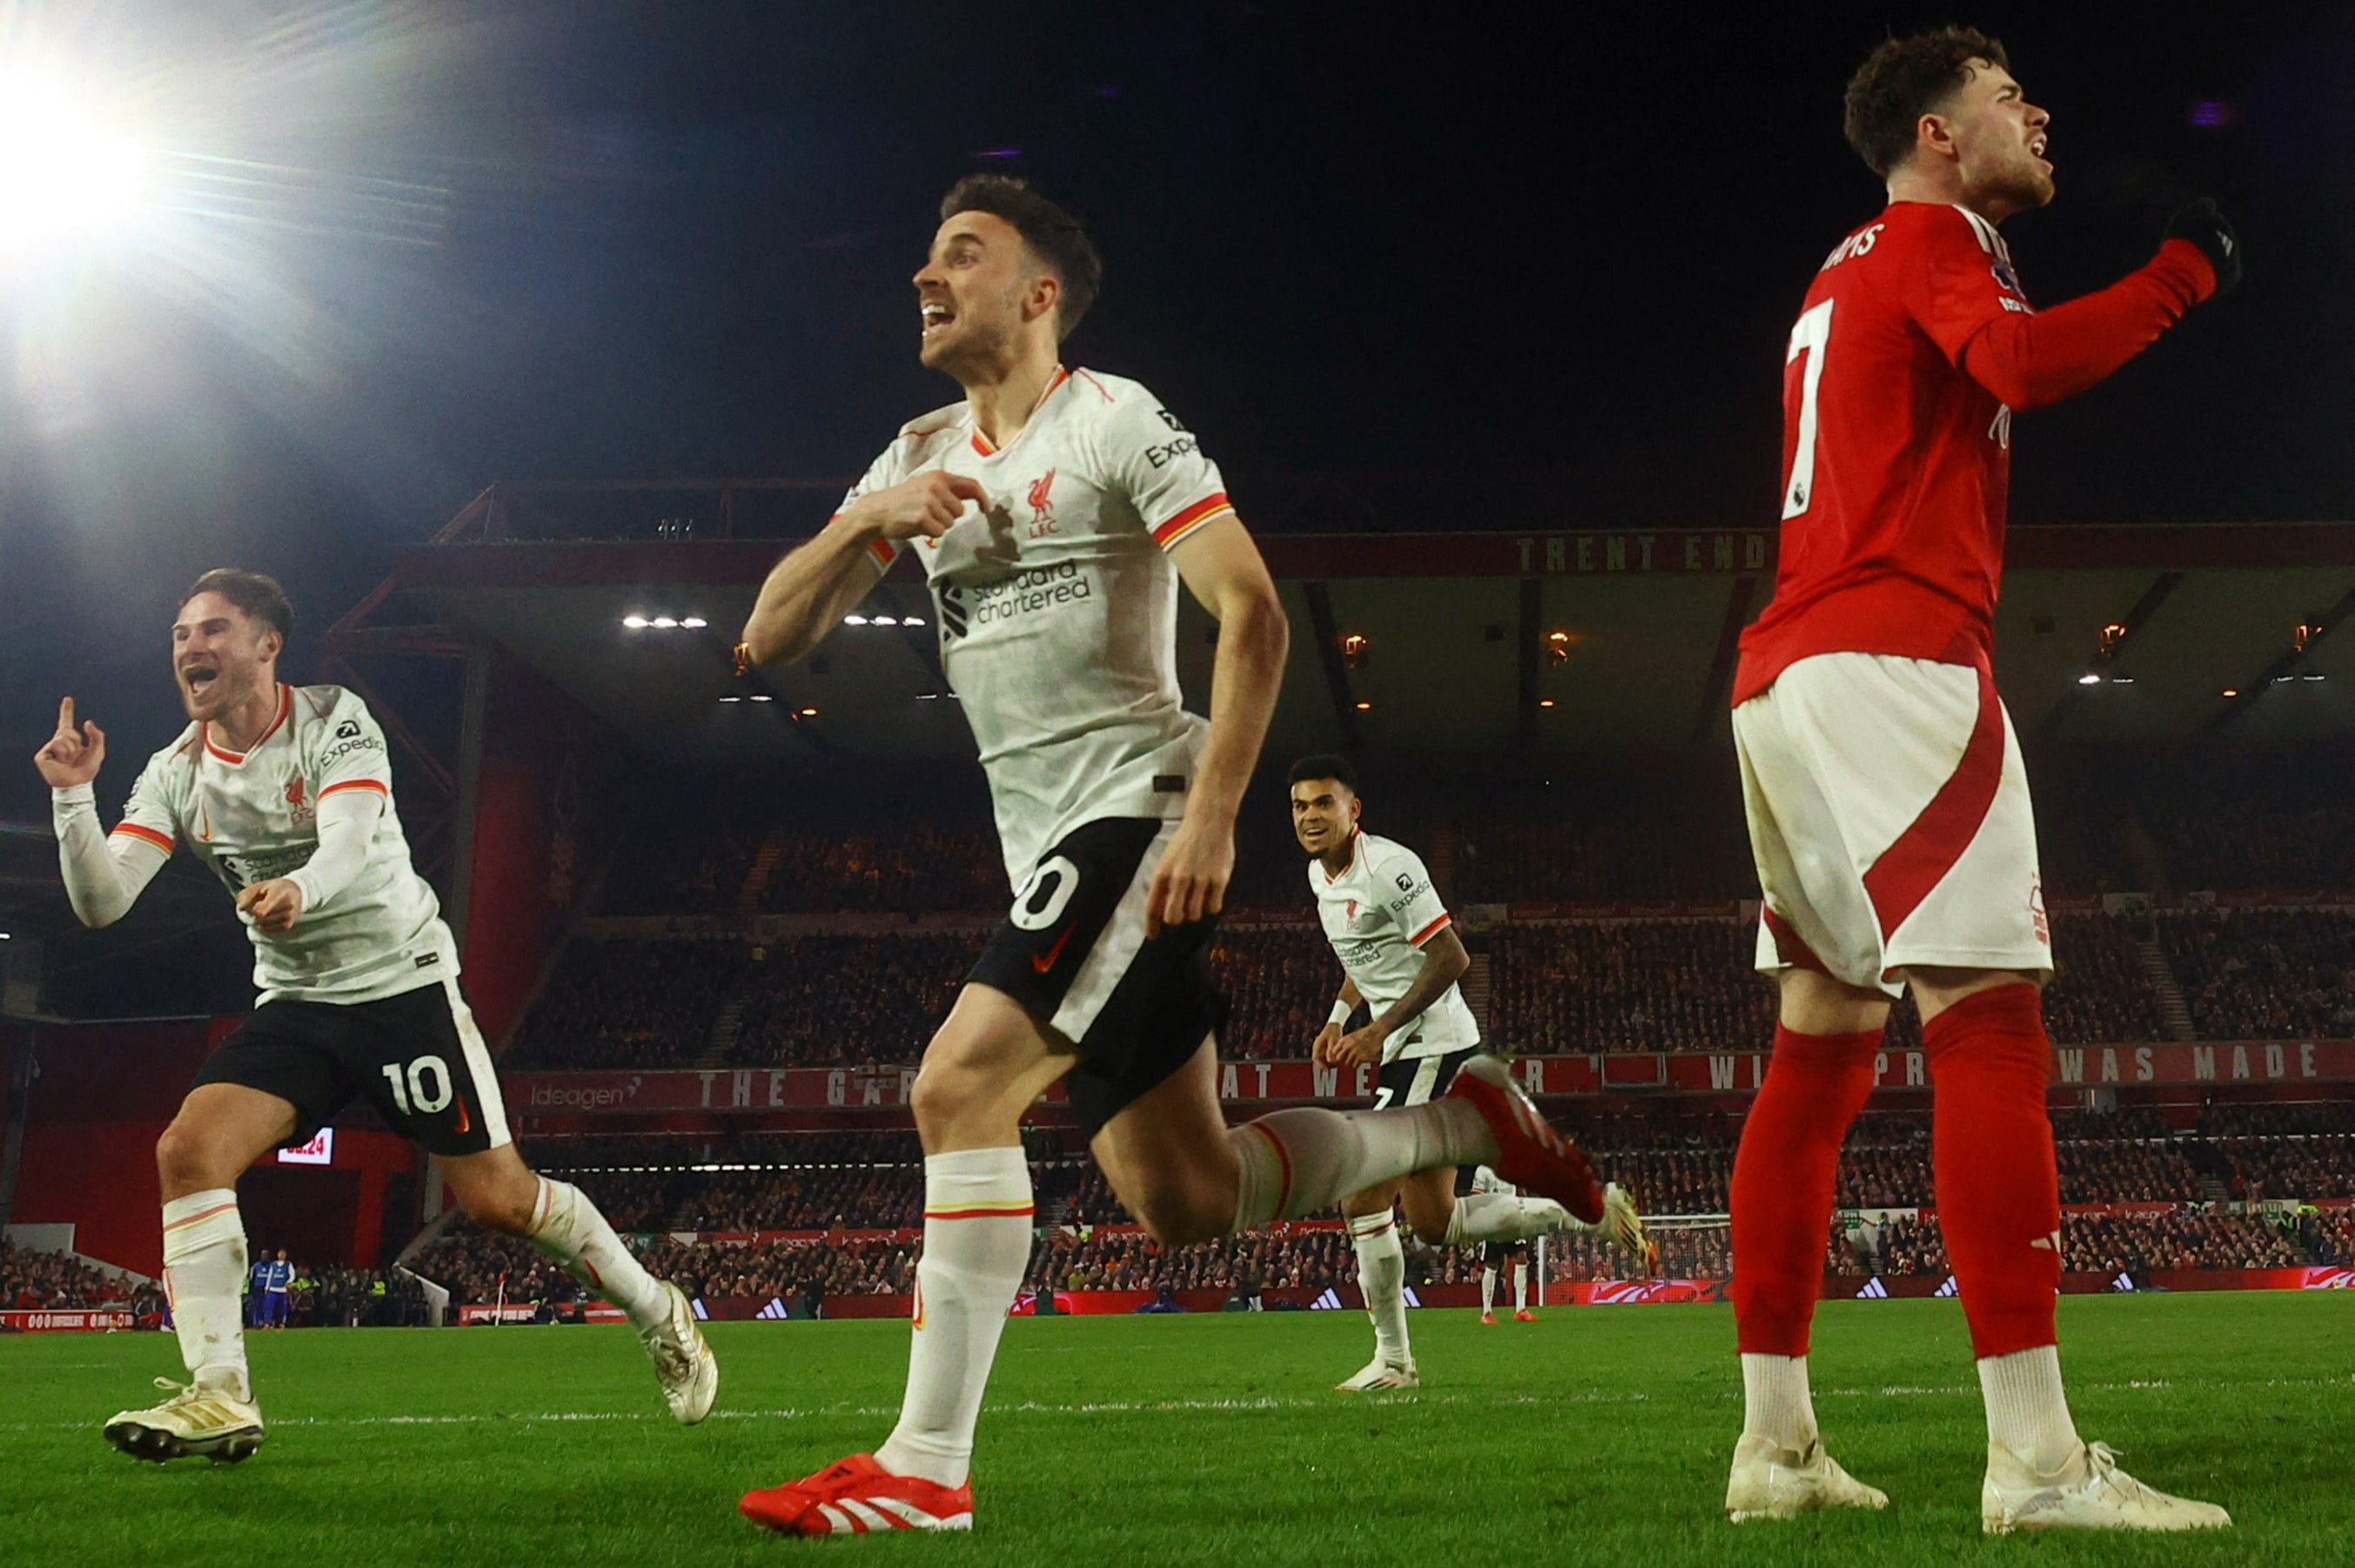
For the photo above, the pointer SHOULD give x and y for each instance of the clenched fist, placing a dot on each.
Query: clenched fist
(928, 505)
(273, 905)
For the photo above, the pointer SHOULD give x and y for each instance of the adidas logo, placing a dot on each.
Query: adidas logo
(2124, 1284)
(1408, 1292)
(1328, 1302)
(774, 1310)
(1873, 1290)
(1949, 1288)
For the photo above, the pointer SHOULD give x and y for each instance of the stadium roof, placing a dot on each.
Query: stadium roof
(1476, 644)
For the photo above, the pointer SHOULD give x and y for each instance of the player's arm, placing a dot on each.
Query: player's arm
(355, 783)
(808, 593)
(1443, 963)
(2031, 359)
(104, 872)
(1327, 1038)
(1221, 567)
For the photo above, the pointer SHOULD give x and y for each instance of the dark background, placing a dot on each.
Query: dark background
(1548, 254)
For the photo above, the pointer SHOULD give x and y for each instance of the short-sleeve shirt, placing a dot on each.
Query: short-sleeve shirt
(1378, 913)
(1057, 603)
(1895, 462)
(252, 815)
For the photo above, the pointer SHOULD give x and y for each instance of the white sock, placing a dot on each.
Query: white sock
(204, 1272)
(2025, 1409)
(1381, 1274)
(1297, 1162)
(566, 1226)
(1487, 1290)
(1776, 1402)
(1502, 1217)
(977, 1224)
(1521, 1287)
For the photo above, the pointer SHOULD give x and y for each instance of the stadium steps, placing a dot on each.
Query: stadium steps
(725, 1027)
(764, 868)
(2172, 1008)
(1474, 985)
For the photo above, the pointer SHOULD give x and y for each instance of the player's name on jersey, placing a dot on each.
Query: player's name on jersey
(1653, 551)
(762, 1089)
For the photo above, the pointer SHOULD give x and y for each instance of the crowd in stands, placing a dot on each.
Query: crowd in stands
(622, 1003)
(914, 866)
(2265, 974)
(42, 1281)
(831, 1001)
(1280, 982)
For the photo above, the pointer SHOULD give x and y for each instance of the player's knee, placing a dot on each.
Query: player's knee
(504, 1207)
(944, 1095)
(182, 1160)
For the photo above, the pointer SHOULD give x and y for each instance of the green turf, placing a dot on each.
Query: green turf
(1597, 1436)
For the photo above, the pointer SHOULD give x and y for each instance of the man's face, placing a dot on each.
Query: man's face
(219, 657)
(1324, 814)
(978, 290)
(1999, 138)
(281, 1255)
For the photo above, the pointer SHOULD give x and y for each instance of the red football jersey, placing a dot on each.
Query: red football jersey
(1914, 345)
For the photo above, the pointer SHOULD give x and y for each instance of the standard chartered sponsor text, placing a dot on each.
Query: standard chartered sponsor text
(1061, 583)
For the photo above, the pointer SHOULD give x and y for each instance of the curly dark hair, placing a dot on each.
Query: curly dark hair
(1324, 765)
(264, 601)
(1905, 78)
(1052, 234)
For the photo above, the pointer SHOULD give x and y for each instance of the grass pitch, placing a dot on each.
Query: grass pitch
(1597, 1436)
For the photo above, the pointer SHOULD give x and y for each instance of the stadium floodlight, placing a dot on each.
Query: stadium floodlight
(884, 621)
(912, 620)
(694, 622)
(61, 172)
(2089, 679)
(665, 622)
(854, 620)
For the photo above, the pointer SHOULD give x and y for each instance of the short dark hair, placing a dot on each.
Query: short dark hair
(1053, 234)
(264, 601)
(1905, 78)
(1324, 765)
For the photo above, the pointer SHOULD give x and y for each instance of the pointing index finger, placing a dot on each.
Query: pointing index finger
(66, 715)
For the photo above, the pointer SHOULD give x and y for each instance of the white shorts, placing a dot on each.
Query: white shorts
(1890, 818)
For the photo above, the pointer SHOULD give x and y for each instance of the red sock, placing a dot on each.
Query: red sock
(1783, 1178)
(1991, 1153)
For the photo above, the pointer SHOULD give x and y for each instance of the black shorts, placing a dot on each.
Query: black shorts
(1073, 953)
(417, 1058)
(1418, 1079)
(1495, 1255)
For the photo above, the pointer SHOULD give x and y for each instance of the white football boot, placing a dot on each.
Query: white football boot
(1773, 1482)
(684, 1365)
(1381, 1374)
(1624, 1228)
(2089, 1492)
(196, 1422)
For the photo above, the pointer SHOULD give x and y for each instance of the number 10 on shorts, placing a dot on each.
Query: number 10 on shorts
(424, 1089)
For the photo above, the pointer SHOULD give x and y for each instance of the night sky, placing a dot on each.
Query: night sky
(1553, 258)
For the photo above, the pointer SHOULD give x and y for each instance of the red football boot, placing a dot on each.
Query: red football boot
(1529, 1154)
(855, 1496)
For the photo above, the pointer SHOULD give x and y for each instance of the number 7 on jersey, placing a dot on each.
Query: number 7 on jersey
(1810, 335)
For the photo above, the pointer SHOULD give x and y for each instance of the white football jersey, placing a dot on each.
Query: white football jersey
(1057, 603)
(253, 815)
(1378, 913)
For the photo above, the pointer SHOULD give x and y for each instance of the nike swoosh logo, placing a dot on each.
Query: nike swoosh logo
(1042, 962)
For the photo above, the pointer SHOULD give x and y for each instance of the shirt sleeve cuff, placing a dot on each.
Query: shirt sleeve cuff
(75, 795)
